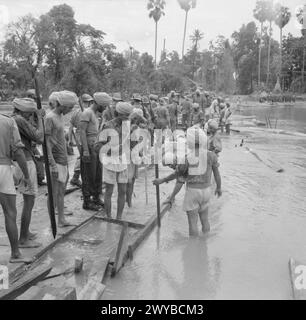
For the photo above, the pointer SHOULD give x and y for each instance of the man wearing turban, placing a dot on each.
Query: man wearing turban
(23, 110)
(115, 135)
(61, 103)
(91, 170)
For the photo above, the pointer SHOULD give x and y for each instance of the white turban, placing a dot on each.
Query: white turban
(124, 108)
(67, 98)
(25, 104)
(102, 98)
(64, 98)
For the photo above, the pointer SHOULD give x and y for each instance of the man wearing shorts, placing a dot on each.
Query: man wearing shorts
(11, 147)
(114, 171)
(198, 180)
(23, 109)
(61, 103)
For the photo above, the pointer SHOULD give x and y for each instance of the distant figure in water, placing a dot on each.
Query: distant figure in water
(214, 140)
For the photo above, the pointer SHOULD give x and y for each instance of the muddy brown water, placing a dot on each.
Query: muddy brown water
(257, 225)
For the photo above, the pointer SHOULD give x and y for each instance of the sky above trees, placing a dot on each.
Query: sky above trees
(127, 20)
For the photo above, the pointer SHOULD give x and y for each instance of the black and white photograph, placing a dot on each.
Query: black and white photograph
(152, 150)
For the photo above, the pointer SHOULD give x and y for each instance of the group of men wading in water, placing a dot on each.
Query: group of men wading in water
(114, 137)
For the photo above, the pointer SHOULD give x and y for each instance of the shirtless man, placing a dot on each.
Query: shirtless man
(198, 181)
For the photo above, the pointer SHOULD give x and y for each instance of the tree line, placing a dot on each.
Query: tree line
(63, 53)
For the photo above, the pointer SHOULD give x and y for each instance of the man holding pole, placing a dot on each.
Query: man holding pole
(62, 103)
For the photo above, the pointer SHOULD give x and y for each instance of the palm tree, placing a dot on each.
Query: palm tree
(282, 17)
(300, 17)
(260, 14)
(270, 18)
(186, 5)
(156, 8)
(196, 37)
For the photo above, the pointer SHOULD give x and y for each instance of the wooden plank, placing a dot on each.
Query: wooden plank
(298, 279)
(142, 234)
(99, 269)
(122, 222)
(24, 284)
(20, 271)
(121, 249)
(93, 290)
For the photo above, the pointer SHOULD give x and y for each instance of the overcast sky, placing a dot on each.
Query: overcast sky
(127, 20)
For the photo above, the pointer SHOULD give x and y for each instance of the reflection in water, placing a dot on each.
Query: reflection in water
(292, 118)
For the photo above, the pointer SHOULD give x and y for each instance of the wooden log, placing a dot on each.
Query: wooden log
(78, 264)
(122, 222)
(298, 280)
(19, 272)
(144, 233)
(121, 249)
(24, 284)
(141, 235)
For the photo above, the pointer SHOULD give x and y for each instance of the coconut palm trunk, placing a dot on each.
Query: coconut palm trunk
(194, 59)
(155, 43)
(281, 57)
(259, 56)
(184, 37)
(269, 54)
(303, 67)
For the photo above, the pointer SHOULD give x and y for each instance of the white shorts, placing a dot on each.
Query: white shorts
(19, 182)
(7, 185)
(113, 177)
(131, 172)
(63, 173)
(196, 199)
